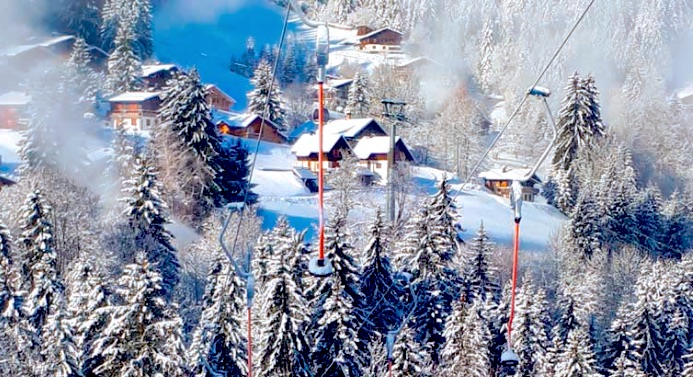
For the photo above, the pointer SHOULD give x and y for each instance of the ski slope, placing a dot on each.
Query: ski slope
(282, 194)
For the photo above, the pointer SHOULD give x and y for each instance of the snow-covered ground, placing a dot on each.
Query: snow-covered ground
(282, 194)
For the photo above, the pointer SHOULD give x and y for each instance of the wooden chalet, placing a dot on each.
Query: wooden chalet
(381, 40)
(372, 153)
(306, 149)
(13, 110)
(156, 76)
(135, 110)
(249, 128)
(218, 99)
(354, 129)
(499, 181)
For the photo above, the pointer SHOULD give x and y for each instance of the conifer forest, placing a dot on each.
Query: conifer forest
(155, 242)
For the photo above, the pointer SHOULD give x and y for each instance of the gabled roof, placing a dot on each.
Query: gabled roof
(251, 118)
(419, 60)
(378, 145)
(349, 128)
(14, 99)
(152, 69)
(307, 144)
(685, 93)
(6, 181)
(210, 86)
(134, 97)
(507, 174)
(48, 42)
(376, 32)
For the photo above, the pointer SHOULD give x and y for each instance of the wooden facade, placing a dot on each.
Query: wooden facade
(331, 157)
(499, 181)
(250, 129)
(157, 76)
(135, 111)
(380, 40)
(13, 106)
(217, 99)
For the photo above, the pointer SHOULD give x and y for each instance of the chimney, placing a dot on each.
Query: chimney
(348, 115)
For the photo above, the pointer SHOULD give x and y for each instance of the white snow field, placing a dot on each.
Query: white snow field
(282, 194)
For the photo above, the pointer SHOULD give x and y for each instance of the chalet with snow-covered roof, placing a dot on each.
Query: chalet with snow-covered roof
(218, 99)
(13, 107)
(306, 149)
(372, 153)
(135, 110)
(248, 127)
(354, 129)
(685, 95)
(409, 67)
(499, 181)
(381, 40)
(156, 76)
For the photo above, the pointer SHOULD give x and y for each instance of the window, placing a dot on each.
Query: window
(378, 165)
(527, 197)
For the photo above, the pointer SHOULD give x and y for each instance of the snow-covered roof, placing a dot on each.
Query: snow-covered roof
(348, 128)
(307, 144)
(16, 50)
(376, 32)
(685, 93)
(133, 97)
(373, 145)
(251, 118)
(506, 174)
(6, 181)
(339, 83)
(151, 69)
(212, 86)
(228, 117)
(420, 59)
(14, 99)
(304, 173)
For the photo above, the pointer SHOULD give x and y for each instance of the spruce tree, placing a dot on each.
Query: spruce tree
(258, 97)
(358, 103)
(337, 309)
(579, 121)
(124, 66)
(44, 290)
(530, 338)
(81, 81)
(646, 332)
(577, 359)
(377, 280)
(219, 343)
(147, 220)
(584, 227)
(466, 342)
(137, 13)
(143, 336)
(409, 359)
(59, 351)
(284, 344)
(480, 280)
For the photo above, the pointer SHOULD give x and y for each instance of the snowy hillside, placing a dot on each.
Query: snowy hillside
(208, 40)
(282, 194)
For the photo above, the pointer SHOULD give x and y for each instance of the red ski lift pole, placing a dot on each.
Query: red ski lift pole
(509, 358)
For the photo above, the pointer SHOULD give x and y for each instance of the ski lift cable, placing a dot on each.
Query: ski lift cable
(230, 254)
(519, 106)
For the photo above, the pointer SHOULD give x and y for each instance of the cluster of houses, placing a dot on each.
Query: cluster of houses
(364, 139)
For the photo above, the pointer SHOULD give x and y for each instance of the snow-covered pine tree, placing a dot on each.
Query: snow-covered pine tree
(87, 296)
(233, 173)
(409, 359)
(479, 278)
(677, 343)
(185, 122)
(484, 66)
(358, 103)
(284, 344)
(677, 227)
(219, 343)
(579, 121)
(81, 81)
(258, 97)
(124, 66)
(646, 324)
(530, 338)
(626, 367)
(138, 13)
(43, 289)
(649, 220)
(338, 308)
(688, 366)
(377, 280)
(466, 342)
(583, 231)
(576, 358)
(143, 336)
(147, 219)
(59, 350)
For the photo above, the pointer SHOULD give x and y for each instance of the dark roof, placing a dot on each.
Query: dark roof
(6, 181)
